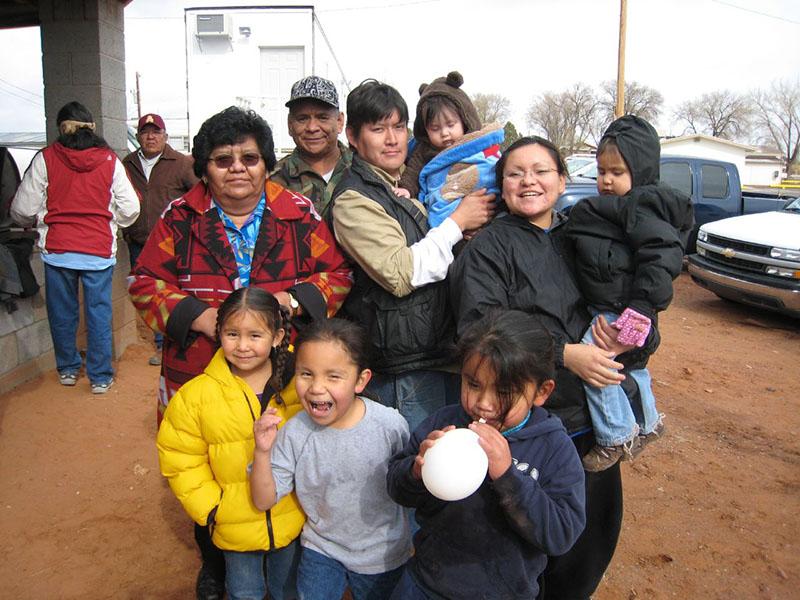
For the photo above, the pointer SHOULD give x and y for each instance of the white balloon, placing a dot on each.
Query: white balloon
(455, 466)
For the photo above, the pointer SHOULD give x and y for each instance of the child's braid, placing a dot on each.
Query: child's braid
(281, 355)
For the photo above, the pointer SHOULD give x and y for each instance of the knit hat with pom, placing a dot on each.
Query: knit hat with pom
(450, 88)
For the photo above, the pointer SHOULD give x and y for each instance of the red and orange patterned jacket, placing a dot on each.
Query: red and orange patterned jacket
(187, 266)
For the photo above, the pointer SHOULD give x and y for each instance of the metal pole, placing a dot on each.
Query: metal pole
(620, 108)
(313, 43)
(138, 98)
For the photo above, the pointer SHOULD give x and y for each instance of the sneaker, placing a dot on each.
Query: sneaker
(208, 588)
(69, 379)
(101, 388)
(601, 458)
(154, 360)
(647, 438)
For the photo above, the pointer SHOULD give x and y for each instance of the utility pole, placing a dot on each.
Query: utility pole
(138, 98)
(620, 108)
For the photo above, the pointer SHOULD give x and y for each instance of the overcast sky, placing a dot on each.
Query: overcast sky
(519, 48)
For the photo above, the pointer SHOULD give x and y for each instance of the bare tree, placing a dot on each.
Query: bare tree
(566, 118)
(492, 107)
(722, 114)
(777, 117)
(640, 100)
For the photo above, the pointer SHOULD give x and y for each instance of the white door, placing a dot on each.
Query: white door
(280, 68)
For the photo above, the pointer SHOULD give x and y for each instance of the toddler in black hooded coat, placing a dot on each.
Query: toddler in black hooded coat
(627, 246)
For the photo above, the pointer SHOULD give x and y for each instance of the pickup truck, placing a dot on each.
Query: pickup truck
(753, 259)
(713, 185)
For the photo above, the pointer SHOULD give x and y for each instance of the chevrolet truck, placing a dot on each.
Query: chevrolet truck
(752, 259)
(714, 187)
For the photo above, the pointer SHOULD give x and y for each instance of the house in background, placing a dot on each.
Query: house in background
(756, 167)
(765, 167)
(250, 57)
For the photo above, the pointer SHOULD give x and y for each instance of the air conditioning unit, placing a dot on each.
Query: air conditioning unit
(213, 25)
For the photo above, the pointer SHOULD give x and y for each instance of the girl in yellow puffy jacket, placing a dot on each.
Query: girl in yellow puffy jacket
(205, 446)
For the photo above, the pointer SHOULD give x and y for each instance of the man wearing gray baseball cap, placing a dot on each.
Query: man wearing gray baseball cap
(319, 159)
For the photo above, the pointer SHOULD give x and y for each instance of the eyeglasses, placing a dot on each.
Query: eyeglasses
(517, 176)
(225, 161)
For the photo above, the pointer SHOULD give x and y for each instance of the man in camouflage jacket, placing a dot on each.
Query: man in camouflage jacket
(319, 159)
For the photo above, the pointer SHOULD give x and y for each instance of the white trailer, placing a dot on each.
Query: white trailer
(250, 57)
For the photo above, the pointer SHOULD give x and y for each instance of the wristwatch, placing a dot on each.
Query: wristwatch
(293, 304)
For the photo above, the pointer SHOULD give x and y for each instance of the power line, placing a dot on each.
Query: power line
(22, 89)
(755, 12)
(28, 100)
(378, 7)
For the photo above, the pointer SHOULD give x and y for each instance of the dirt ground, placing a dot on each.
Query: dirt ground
(711, 511)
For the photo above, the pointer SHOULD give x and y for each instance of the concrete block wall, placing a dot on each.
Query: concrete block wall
(26, 348)
(83, 59)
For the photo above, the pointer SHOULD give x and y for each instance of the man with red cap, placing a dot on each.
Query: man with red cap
(160, 175)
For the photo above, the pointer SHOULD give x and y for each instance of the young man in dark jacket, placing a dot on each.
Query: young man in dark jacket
(627, 246)
(399, 261)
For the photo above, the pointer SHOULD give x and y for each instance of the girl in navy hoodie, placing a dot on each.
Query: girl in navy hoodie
(494, 543)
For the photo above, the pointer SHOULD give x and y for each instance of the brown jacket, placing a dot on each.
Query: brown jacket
(172, 176)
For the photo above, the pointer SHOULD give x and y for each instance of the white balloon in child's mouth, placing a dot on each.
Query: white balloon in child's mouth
(455, 466)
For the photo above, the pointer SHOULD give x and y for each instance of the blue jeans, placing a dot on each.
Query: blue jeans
(322, 578)
(408, 589)
(244, 573)
(134, 250)
(61, 293)
(416, 394)
(614, 420)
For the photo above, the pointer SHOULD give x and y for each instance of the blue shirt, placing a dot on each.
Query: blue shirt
(78, 261)
(243, 240)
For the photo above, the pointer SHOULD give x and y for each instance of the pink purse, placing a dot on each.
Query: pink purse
(633, 328)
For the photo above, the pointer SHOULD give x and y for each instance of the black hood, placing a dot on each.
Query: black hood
(638, 143)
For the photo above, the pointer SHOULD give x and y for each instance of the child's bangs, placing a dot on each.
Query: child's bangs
(434, 105)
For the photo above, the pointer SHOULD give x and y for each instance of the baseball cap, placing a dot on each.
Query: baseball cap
(151, 119)
(315, 88)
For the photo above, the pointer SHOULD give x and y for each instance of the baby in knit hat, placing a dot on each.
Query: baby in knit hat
(452, 154)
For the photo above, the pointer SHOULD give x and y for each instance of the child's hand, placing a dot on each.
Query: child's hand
(606, 337)
(265, 430)
(426, 445)
(495, 446)
(634, 328)
(401, 192)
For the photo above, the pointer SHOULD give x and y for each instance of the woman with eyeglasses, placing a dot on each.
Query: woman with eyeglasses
(235, 228)
(517, 262)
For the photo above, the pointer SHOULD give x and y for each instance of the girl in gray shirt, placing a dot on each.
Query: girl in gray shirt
(335, 456)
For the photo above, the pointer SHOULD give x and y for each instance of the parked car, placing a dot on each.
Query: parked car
(713, 185)
(577, 162)
(752, 259)
(587, 170)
